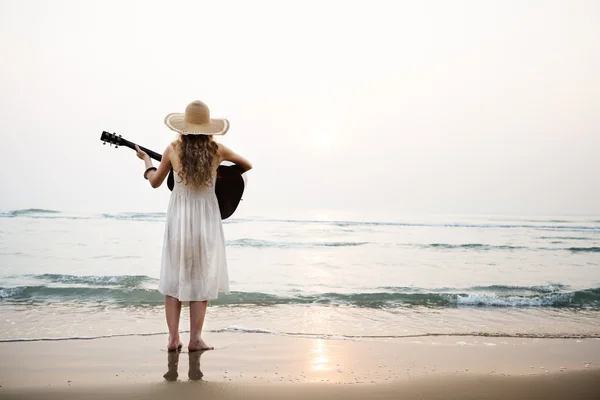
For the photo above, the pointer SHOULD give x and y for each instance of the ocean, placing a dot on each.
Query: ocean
(67, 275)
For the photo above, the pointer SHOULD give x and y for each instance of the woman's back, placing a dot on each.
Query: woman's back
(184, 189)
(195, 159)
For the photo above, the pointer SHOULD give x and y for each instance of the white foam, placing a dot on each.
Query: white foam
(10, 292)
(485, 299)
(236, 328)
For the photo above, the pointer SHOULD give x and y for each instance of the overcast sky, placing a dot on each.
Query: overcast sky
(349, 108)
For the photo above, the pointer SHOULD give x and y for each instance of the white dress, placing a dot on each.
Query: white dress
(194, 266)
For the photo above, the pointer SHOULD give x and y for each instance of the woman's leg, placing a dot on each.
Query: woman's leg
(173, 311)
(197, 314)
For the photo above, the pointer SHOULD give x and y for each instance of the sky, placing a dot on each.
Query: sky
(352, 109)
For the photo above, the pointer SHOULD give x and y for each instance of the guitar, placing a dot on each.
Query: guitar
(231, 179)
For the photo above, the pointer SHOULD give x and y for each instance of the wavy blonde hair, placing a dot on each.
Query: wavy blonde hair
(197, 155)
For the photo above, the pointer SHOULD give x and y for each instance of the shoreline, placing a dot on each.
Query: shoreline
(84, 321)
(359, 338)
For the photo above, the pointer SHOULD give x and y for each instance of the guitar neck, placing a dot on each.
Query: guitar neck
(154, 155)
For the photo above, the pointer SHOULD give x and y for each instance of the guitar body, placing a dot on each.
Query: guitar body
(231, 182)
(229, 188)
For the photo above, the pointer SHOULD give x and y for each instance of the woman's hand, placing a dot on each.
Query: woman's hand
(141, 154)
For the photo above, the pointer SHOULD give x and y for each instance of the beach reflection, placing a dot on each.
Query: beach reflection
(194, 372)
(172, 363)
(320, 356)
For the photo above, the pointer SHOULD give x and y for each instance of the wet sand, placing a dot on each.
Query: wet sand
(269, 366)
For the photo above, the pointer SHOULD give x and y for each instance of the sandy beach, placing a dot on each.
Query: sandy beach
(269, 366)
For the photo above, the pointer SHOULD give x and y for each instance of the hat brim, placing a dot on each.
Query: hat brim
(177, 123)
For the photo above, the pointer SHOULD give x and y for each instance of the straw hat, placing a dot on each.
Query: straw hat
(196, 121)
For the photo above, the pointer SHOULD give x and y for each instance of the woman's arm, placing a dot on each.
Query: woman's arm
(156, 176)
(227, 154)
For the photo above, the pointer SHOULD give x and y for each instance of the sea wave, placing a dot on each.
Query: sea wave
(116, 280)
(39, 213)
(550, 288)
(491, 296)
(121, 296)
(28, 212)
(133, 216)
(247, 242)
(489, 247)
(547, 225)
(565, 238)
(584, 249)
(357, 224)
(499, 289)
(472, 246)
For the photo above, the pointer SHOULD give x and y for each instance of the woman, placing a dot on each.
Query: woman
(194, 267)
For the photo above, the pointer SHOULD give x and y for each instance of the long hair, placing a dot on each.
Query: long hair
(197, 154)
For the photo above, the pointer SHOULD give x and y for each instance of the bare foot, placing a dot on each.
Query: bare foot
(174, 344)
(199, 345)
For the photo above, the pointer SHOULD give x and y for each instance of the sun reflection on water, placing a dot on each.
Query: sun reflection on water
(320, 356)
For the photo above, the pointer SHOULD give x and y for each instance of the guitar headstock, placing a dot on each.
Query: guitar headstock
(111, 138)
(118, 141)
